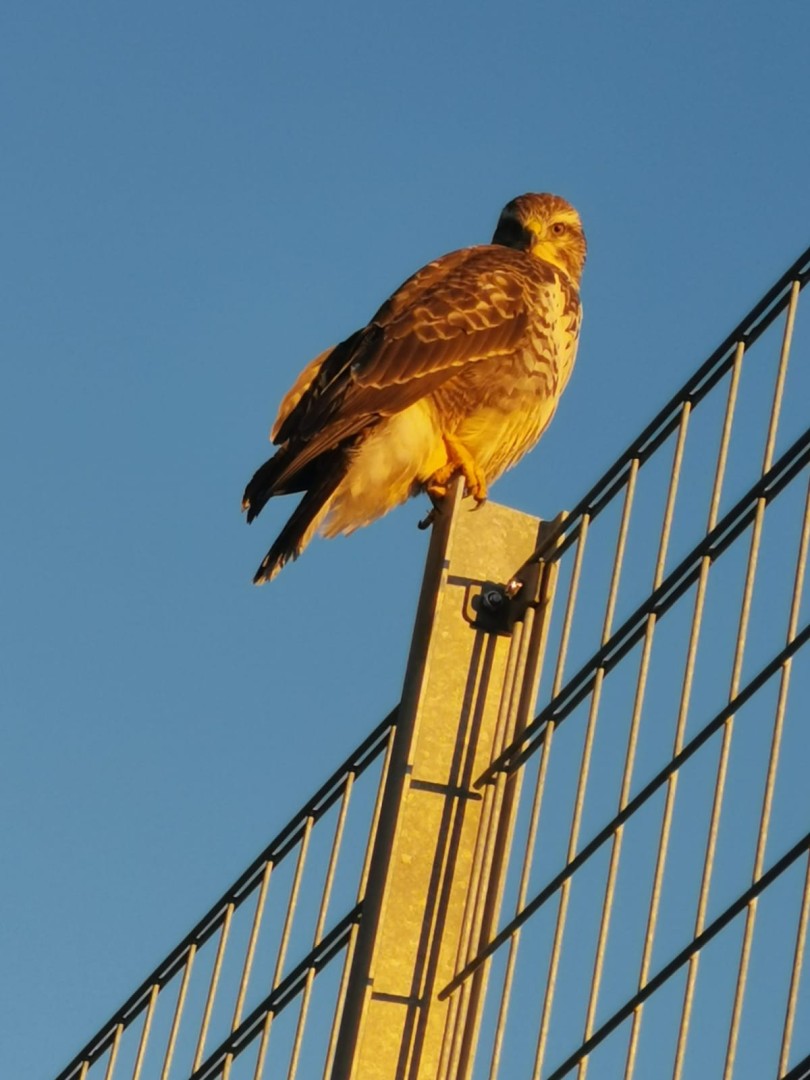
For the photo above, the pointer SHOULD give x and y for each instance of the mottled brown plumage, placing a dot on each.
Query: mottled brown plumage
(459, 371)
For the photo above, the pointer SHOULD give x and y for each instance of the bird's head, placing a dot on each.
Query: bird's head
(546, 226)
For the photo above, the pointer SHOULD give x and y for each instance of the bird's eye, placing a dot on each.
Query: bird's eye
(558, 228)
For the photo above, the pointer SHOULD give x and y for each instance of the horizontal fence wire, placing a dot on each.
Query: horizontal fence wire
(657, 896)
(195, 1013)
(801, 1071)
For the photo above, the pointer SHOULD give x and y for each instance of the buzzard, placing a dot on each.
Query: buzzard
(459, 372)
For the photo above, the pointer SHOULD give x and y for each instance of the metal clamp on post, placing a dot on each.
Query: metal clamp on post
(496, 608)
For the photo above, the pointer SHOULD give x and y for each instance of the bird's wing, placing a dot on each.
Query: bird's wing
(470, 306)
(297, 391)
(393, 306)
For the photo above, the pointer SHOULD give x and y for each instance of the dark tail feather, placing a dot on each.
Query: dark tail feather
(263, 484)
(304, 522)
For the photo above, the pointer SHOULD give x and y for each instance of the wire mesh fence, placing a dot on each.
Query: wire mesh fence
(217, 1005)
(655, 890)
(657, 897)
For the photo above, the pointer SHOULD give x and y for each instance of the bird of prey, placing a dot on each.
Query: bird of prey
(459, 372)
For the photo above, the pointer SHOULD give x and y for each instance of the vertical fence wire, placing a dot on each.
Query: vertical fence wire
(110, 1071)
(178, 1013)
(147, 1027)
(212, 986)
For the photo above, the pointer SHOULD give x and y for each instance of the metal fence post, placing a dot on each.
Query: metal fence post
(442, 844)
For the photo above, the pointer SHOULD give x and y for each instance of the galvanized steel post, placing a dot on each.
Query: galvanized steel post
(442, 844)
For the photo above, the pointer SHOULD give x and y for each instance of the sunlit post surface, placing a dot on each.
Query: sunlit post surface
(433, 891)
(616, 884)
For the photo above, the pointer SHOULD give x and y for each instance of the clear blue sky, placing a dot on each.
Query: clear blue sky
(196, 199)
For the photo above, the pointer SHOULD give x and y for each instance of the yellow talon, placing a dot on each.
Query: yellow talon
(459, 460)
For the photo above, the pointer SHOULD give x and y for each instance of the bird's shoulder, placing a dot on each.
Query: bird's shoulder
(483, 270)
(471, 292)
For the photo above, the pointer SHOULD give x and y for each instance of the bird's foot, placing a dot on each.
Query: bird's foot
(459, 461)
